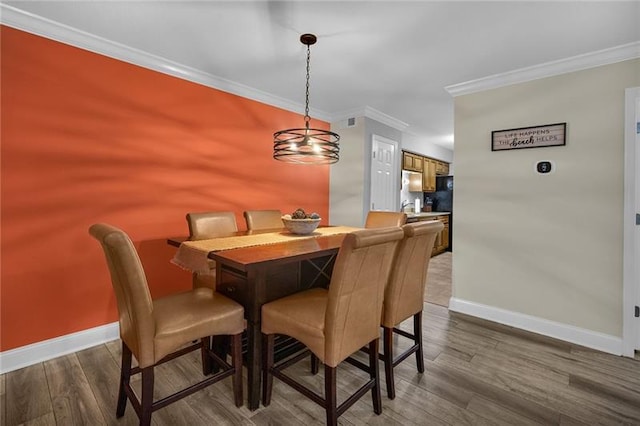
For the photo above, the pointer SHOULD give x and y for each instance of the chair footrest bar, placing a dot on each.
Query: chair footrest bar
(179, 353)
(318, 399)
(404, 333)
(413, 349)
(356, 363)
(355, 397)
(191, 389)
(291, 360)
(175, 396)
(221, 362)
(135, 403)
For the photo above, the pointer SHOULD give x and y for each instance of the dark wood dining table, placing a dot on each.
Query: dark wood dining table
(256, 275)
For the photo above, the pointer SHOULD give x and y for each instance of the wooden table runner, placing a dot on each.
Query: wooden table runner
(193, 255)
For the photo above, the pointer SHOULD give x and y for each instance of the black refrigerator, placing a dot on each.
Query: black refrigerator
(443, 201)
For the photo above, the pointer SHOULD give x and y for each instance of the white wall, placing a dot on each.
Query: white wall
(546, 246)
(347, 177)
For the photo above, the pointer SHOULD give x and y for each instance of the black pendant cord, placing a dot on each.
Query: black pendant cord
(307, 119)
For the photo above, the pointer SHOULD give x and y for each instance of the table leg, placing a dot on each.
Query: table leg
(253, 308)
(254, 364)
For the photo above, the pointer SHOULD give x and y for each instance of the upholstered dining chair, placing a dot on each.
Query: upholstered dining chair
(404, 295)
(205, 225)
(380, 219)
(156, 331)
(335, 323)
(263, 219)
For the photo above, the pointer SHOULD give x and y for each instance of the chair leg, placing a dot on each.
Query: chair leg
(417, 333)
(314, 364)
(125, 376)
(373, 374)
(206, 359)
(387, 358)
(236, 360)
(331, 399)
(147, 396)
(220, 346)
(267, 364)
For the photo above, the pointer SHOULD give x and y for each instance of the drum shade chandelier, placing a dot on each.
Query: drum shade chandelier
(306, 145)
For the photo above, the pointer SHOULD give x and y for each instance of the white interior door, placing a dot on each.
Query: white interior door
(631, 225)
(384, 174)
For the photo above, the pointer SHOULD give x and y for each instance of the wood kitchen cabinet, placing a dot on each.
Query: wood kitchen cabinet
(428, 175)
(444, 234)
(428, 167)
(412, 162)
(442, 168)
(442, 239)
(415, 182)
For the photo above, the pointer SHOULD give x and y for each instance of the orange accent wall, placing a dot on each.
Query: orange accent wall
(85, 139)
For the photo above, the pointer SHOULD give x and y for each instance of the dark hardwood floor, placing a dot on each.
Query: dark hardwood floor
(477, 373)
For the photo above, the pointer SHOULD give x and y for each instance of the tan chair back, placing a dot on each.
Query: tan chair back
(211, 224)
(404, 295)
(263, 219)
(356, 292)
(135, 306)
(378, 219)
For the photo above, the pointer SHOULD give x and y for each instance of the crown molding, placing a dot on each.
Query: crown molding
(548, 69)
(34, 24)
(373, 114)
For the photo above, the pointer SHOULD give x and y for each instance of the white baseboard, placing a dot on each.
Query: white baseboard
(580, 336)
(48, 349)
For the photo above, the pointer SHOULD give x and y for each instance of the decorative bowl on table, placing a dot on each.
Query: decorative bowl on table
(301, 224)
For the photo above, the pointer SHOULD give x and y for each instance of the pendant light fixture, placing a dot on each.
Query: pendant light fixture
(306, 145)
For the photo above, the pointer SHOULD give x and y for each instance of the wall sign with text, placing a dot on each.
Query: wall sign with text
(529, 137)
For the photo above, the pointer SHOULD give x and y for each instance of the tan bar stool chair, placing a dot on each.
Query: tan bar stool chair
(156, 331)
(379, 219)
(404, 295)
(203, 226)
(263, 219)
(335, 323)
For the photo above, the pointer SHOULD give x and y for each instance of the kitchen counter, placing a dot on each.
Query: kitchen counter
(422, 215)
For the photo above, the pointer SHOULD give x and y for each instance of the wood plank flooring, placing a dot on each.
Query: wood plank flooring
(438, 289)
(477, 373)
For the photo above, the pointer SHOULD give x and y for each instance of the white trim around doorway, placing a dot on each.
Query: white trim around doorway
(631, 270)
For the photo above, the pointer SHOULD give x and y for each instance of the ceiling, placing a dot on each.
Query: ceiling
(395, 57)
